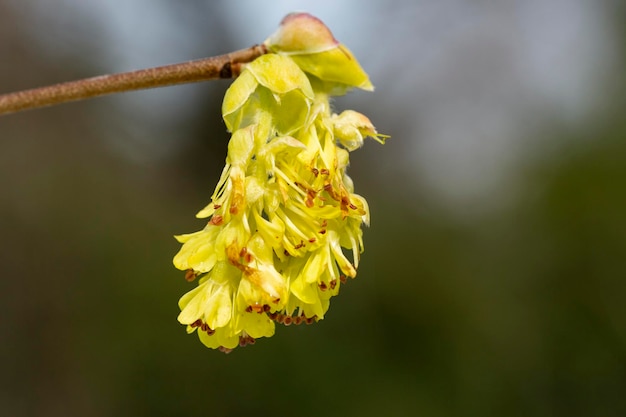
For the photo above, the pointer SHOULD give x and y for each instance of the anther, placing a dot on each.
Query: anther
(257, 308)
(190, 275)
(245, 340)
(216, 220)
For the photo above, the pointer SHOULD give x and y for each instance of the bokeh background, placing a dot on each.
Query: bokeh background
(493, 281)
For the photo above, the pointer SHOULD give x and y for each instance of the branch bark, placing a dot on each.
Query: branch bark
(212, 68)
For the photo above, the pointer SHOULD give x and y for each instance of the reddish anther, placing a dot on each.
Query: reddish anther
(190, 275)
(216, 220)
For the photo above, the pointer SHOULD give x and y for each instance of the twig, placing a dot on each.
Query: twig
(217, 67)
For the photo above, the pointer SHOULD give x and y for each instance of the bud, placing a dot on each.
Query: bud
(311, 45)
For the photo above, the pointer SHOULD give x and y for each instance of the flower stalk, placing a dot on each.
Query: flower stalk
(212, 68)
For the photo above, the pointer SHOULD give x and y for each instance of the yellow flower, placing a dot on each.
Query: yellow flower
(284, 209)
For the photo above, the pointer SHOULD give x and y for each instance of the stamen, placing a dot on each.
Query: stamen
(292, 184)
(216, 220)
(246, 339)
(257, 308)
(190, 275)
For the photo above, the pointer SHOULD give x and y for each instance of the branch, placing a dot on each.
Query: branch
(213, 68)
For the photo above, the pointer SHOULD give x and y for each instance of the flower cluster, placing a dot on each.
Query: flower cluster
(284, 209)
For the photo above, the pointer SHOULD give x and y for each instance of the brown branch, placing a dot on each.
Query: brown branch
(222, 66)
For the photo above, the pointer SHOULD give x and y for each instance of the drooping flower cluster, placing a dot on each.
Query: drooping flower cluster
(284, 209)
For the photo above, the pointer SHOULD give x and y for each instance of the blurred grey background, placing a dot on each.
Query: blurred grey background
(493, 278)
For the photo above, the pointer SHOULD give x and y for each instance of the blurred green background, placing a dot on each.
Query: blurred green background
(493, 279)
